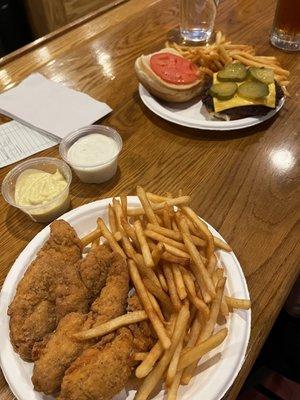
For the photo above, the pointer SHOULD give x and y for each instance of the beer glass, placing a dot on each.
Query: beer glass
(286, 26)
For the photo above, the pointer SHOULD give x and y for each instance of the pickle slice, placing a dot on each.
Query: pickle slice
(224, 90)
(253, 90)
(264, 75)
(233, 73)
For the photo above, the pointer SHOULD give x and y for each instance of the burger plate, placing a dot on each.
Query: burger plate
(193, 114)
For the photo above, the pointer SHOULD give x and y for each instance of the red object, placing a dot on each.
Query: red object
(173, 69)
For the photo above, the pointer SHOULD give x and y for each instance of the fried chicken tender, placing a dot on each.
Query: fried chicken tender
(103, 370)
(93, 271)
(61, 349)
(100, 372)
(56, 283)
(50, 289)
(143, 335)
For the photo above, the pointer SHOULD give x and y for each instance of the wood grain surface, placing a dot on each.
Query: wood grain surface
(244, 183)
(77, 8)
(45, 16)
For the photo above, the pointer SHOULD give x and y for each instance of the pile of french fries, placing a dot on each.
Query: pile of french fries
(179, 280)
(213, 57)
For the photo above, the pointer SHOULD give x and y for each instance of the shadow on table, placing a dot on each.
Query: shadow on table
(91, 190)
(20, 225)
(209, 135)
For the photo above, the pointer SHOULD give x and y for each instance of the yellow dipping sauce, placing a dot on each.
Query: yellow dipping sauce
(36, 188)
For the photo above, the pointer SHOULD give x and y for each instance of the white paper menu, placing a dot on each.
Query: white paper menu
(18, 142)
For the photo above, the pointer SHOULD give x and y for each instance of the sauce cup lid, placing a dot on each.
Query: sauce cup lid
(70, 139)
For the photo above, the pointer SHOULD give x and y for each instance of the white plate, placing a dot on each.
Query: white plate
(210, 384)
(193, 114)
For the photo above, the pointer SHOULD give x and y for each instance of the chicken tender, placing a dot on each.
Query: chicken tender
(103, 370)
(61, 349)
(93, 270)
(56, 283)
(50, 288)
(143, 335)
(100, 372)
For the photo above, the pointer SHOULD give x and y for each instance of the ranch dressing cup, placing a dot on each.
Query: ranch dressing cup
(92, 152)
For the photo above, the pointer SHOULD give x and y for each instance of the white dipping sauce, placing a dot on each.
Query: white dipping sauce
(94, 157)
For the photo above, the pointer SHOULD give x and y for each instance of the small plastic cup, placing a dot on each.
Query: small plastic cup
(94, 173)
(53, 208)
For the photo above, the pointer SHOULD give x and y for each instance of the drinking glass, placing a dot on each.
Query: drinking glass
(286, 26)
(197, 18)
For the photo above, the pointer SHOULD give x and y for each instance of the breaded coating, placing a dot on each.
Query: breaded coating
(103, 370)
(51, 288)
(100, 372)
(93, 270)
(143, 336)
(56, 283)
(61, 349)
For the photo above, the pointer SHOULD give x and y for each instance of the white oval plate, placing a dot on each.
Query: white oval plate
(222, 365)
(193, 114)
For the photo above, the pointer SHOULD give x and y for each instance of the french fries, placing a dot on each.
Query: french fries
(110, 238)
(139, 356)
(175, 271)
(199, 270)
(157, 252)
(167, 213)
(179, 282)
(112, 325)
(146, 205)
(140, 234)
(130, 232)
(192, 295)
(142, 293)
(146, 366)
(214, 57)
(175, 235)
(172, 287)
(202, 228)
(165, 240)
(123, 200)
(90, 237)
(159, 294)
(156, 374)
(156, 307)
(207, 329)
(160, 206)
(112, 219)
(194, 353)
(242, 304)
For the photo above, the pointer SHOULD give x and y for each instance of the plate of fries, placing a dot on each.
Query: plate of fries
(210, 59)
(189, 282)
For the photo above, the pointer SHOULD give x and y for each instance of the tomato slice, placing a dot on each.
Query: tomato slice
(173, 69)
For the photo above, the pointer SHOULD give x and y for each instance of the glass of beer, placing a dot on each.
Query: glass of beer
(197, 18)
(286, 26)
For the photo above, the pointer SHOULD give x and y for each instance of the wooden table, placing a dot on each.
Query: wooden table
(243, 183)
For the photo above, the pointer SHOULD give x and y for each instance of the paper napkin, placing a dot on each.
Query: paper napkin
(50, 107)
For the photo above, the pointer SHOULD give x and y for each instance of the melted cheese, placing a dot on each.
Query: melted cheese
(238, 101)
